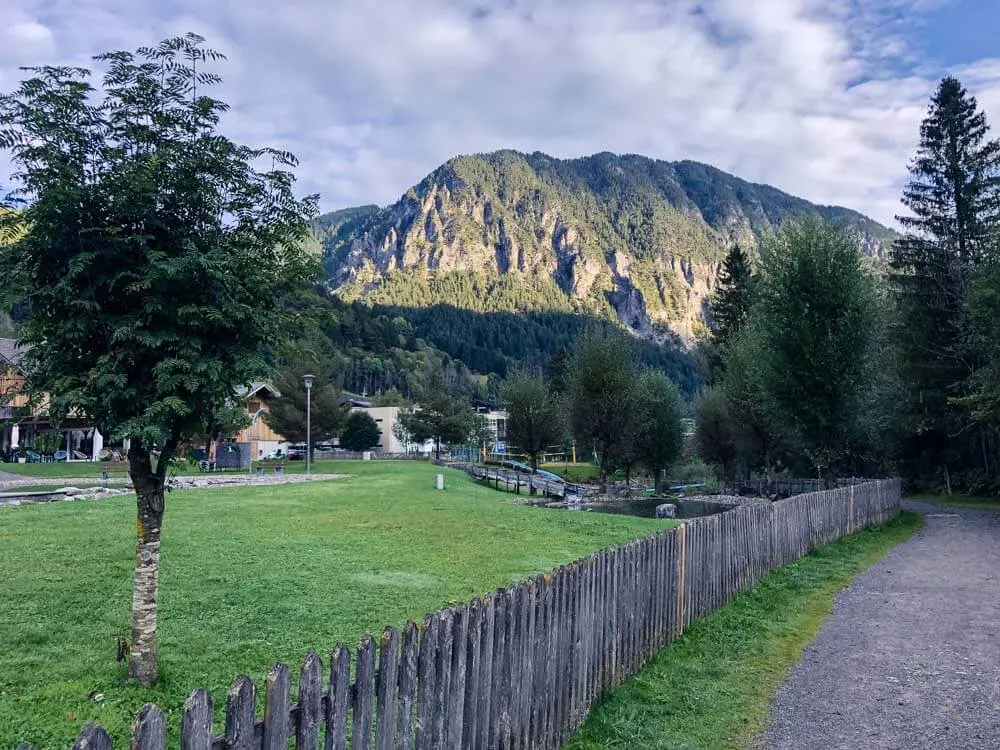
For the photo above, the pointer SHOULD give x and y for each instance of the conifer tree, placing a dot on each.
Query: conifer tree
(954, 199)
(733, 296)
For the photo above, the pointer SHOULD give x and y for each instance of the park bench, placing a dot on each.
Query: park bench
(111, 471)
(277, 465)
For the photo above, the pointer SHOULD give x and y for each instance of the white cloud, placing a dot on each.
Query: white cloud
(373, 95)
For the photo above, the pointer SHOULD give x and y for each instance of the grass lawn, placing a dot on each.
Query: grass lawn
(573, 472)
(250, 576)
(714, 687)
(63, 469)
(959, 500)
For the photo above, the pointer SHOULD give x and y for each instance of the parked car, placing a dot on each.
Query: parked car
(296, 452)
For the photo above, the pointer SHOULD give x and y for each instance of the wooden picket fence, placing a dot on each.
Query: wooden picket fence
(520, 668)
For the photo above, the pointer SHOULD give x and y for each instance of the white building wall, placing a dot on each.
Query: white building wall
(386, 418)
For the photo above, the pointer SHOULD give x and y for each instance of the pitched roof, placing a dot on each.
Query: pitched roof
(11, 352)
(255, 388)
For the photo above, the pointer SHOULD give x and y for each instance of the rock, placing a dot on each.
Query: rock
(667, 510)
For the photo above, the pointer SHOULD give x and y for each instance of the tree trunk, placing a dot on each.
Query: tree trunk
(658, 482)
(143, 665)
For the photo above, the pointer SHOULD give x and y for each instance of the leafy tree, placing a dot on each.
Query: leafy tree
(154, 263)
(361, 432)
(954, 199)
(439, 416)
(390, 397)
(733, 296)
(714, 430)
(536, 417)
(817, 307)
(557, 371)
(757, 428)
(287, 412)
(600, 398)
(658, 435)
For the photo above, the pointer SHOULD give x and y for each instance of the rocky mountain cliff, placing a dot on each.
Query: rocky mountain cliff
(628, 238)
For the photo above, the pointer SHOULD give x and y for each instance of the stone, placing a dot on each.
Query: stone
(667, 510)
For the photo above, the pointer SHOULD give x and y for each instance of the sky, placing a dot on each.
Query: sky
(821, 98)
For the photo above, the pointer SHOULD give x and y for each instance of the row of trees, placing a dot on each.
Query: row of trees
(626, 415)
(794, 369)
(826, 359)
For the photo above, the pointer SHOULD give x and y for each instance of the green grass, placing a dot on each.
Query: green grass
(62, 469)
(573, 472)
(714, 687)
(250, 576)
(960, 500)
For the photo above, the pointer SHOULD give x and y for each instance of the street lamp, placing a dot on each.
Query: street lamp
(309, 379)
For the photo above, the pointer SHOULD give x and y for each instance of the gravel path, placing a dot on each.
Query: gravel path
(910, 657)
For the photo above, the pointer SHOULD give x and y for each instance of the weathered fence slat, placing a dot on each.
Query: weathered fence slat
(240, 717)
(456, 698)
(277, 702)
(310, 703)
(442, 682)
(364, 695)
(338, 698)
(149, 731)
(407, 686)
(92, 737)
(388, 683)
(470, 712)
(485, 673)
(196, 722)
(426, 675)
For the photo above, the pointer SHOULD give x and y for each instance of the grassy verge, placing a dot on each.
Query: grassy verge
(250, 576)
(959, 500)
(573, 472)
(62, 469)
(713, 688)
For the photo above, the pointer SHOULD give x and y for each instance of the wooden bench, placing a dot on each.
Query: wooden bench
(263, 466)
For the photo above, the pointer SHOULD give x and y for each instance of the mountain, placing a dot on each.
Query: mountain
(625, 238)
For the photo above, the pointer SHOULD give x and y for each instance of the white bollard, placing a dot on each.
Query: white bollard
(439, 481)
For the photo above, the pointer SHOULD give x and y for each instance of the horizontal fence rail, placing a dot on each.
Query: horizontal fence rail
(519, 668)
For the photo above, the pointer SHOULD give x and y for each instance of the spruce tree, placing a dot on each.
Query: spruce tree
(733, 296)
(954, 199)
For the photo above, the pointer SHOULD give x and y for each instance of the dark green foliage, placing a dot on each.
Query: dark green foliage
(601, 400)
(361, 432)
(557, 370)
(715, 428)
(439, 415)
(758, 427)
(733, 296)
(287, 415)
(497, 342)
(536, 416)
(954, 197)
(817, 335)
(657, 436)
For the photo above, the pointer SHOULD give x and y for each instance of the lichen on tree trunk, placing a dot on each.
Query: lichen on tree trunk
(149, 489)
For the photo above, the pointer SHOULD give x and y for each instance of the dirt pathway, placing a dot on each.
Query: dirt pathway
(910, 657)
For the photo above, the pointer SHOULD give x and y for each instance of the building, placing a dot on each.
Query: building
(262, 439)
(387, 417)
(12, 400)
(21, 425)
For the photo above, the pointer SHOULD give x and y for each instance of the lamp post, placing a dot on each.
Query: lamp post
(309, 387)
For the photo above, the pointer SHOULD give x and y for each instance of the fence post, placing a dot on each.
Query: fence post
(149, 732)
(196, 722)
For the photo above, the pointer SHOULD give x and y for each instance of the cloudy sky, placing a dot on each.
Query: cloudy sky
(821, 98)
